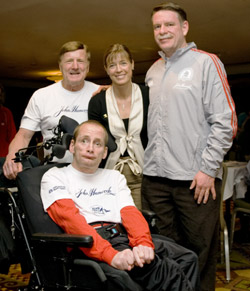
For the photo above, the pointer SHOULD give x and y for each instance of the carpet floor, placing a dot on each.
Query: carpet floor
(239, 263)
(240, 281)
(14, 279)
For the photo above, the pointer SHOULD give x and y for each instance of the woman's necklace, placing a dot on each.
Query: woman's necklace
(123, 104)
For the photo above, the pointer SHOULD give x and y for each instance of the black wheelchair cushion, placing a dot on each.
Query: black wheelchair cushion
(29, 182)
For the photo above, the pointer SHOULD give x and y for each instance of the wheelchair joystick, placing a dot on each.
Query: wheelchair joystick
(20, 156)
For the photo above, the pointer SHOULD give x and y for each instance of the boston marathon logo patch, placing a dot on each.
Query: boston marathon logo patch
(99, 210)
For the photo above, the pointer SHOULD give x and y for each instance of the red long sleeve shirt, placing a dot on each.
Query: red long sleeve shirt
(67, 216)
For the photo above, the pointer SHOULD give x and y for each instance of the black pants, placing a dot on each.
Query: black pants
(179, 216)
(174, 268)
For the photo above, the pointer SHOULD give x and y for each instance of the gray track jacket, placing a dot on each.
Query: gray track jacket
(192, 119)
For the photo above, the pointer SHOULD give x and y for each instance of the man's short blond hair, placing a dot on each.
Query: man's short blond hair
(73, 46)
(77, 129)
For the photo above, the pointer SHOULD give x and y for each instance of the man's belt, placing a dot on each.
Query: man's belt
(108, 230)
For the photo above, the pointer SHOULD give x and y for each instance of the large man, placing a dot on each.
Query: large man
(68, 97)
(191, 125)
(84, 199)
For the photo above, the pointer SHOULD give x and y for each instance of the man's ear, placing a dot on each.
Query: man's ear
(72, 146)
(60, 67)
(105, 153)
(88, 67)
(185, 27)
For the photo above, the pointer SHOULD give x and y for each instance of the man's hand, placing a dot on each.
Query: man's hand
(101, 88)
(11, 169)
(203, 184)
(21, 140)
(123, 260)
(143, 255)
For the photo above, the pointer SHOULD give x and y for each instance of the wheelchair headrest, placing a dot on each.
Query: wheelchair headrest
(67, 124)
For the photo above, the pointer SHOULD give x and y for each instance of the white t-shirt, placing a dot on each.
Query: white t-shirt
(99, 196)
(48, 104)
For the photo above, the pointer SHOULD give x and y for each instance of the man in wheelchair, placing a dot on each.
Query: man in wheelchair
(84, 199)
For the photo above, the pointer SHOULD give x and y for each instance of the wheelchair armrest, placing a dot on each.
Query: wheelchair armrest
(151, 219)
(148, 214)
(85, 241)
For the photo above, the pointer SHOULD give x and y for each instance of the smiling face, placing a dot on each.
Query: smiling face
(120, 69)
(74, 66)
(88, 148)
(169, 31)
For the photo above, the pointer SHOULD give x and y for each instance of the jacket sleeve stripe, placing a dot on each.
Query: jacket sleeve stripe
(227, 92)
(226, 88)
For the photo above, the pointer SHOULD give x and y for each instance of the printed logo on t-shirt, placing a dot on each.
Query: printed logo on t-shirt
(74, 108)
(94, 191)
(56, 188)
(99, 210)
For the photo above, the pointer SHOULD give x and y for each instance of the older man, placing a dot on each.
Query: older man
(68, 97)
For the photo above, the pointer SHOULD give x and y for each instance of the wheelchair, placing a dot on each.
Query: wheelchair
(51, 256)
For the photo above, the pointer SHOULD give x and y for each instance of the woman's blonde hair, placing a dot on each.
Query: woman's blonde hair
(114, 50)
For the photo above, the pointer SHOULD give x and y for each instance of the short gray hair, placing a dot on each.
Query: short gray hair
(73, 46)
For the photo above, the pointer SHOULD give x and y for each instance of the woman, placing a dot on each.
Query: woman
(123, 109)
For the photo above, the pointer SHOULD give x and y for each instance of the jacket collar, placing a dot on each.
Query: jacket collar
(179, 52)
